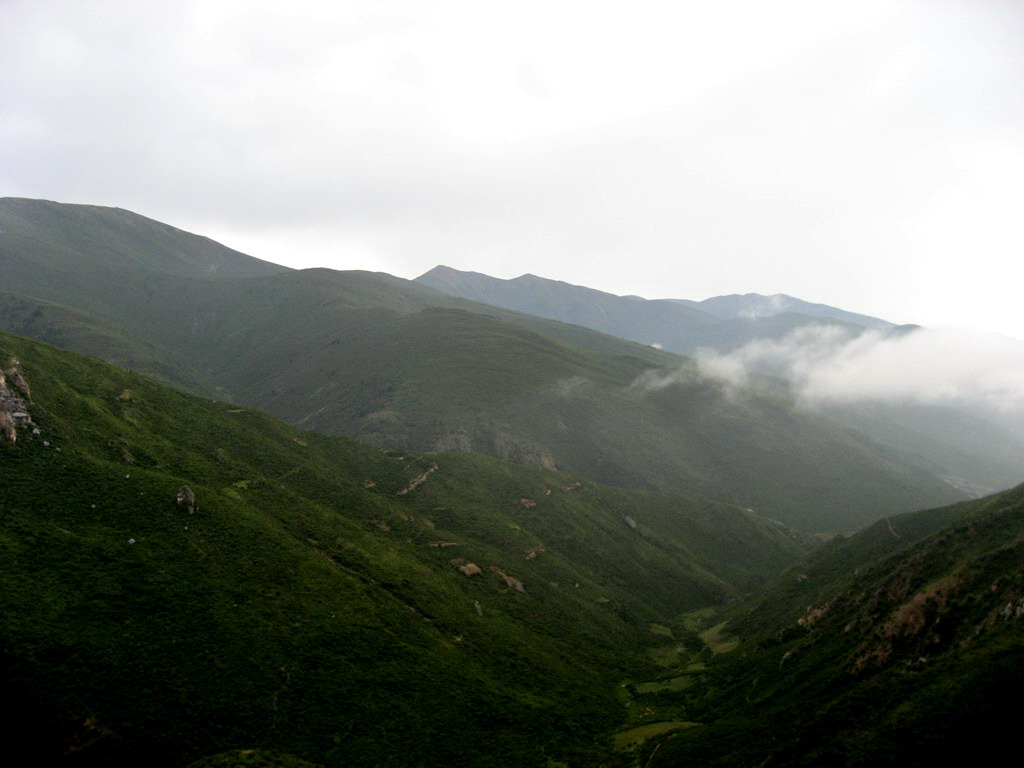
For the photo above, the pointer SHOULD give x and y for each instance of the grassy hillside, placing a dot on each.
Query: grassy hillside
(57, 235)
(978, 449)
(901, 645)
(971, 448)
(321, 598)
(402, 366)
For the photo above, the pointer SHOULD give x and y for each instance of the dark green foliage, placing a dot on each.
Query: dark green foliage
(901, 645)
(251, 758)
(312, 604)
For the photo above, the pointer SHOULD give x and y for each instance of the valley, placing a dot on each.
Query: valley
(261, 516)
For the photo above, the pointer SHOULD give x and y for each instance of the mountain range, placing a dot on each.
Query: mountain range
(485, 537)
(399, 365)
(977, 449)
(677, 325)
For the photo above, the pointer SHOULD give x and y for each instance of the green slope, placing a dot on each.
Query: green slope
(901, 645)
(980, 450)
(402, 366)
(59, 234)
(313, 603)
(966, 444)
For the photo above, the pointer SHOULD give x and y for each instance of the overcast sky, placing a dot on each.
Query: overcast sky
(865, 154)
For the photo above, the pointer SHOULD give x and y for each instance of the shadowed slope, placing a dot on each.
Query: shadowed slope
(317, 598)
(400, 365)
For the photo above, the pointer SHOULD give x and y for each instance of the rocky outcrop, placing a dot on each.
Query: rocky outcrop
(17, 378)
(187, 498)
(14, 397)
(419, 480)
(467, 568)
(510, 581)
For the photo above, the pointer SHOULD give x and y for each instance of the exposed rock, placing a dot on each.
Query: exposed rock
(14, 391)
(813, 615)
(187, 498)
(417, 481)
(471, 569)
(16, 378)
(515, 583)
(7, 429)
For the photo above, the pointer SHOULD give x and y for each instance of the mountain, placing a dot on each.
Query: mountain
(680, 326)
(756, 306)
(115, 240)
(900, 645)
(399, 365)
(970, 446)
(183, 577)
(978, 450)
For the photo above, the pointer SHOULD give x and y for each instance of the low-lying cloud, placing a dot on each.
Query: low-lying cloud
(831, 365)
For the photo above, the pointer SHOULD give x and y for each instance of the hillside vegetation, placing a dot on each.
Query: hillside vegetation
(183, 577)
(901, 645)
(402, 366)
(966, 443)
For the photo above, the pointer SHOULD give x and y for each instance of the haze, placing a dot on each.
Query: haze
(864, 155)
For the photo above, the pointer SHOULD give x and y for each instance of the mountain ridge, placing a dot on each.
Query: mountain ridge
(403, 366)
(679, 325)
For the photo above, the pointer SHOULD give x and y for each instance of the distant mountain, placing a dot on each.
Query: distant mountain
(970, 447)
(755, 306)
(680, 326)
(400, 365)
(182, 576)
(901, 645)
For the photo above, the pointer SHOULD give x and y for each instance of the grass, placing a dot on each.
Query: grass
(715, 641)
(302, 608)
(634, 737)
(892, 645)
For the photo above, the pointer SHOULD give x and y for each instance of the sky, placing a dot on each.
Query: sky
(867, 155)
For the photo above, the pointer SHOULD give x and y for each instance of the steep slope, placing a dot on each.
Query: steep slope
(899, 646)
(87, 278)
(182, 577)
(400, 365)
(970, 447)
(40, 234)
(979, 451)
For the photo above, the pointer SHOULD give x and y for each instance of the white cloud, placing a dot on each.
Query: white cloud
(827, 364)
